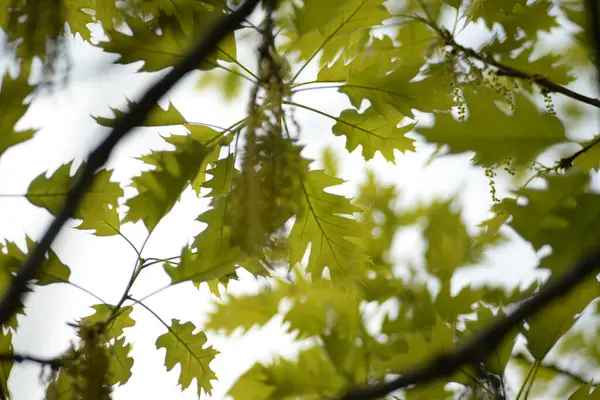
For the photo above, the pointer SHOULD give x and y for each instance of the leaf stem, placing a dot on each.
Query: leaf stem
(291, 103)
(239, 64)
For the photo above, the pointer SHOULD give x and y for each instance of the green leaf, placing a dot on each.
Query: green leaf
(162, 50)
(214, 255)
(186, 348)
(555, 319)
(590, 159)
(60, 388)
(51, 271)
(374, 133)
(160, 188)
(493, 135)
(222, 174)
(157, 117)
(98, 210)
(319, 307)
(343, 27)
(583, 393)
(423, 347)
(396, 89)
(310, 377)
(497, 360)
(6, 347)
(550, 66)
(77, 18)
(116, 327)
(327, 224)
(562, 216)
(449, 243)
(244, 311)
(12, 108)
(120, 363)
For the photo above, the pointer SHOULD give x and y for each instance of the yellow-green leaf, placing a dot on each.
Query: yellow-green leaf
(12, 108)
(160, 188)
(493, 135)
(327, 224)
(186, 348)
(98, 209)
(374, 133)
(157, 117)
(101, 315)
(555, 319)
(120, 363)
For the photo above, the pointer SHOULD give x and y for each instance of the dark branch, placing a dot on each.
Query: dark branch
(505, 70)
(205, 46)
(481, 346)
(51, 362)
(567, 162)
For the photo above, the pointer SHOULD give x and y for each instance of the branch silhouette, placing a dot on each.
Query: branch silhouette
(98, 157)
(482, 345)
(20, 358)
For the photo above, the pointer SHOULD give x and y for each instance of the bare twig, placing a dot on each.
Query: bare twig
(51, 362)
(480, 347)
(205, 46)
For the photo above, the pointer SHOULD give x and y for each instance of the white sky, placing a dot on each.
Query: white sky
(103, 265)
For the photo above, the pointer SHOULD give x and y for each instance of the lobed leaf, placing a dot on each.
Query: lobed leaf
(494, 135)
(186, 348)
(97, 210)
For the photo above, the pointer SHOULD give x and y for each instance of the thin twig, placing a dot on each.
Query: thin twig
(506, 70)
(51, 362)
(567, 162)
(205, 46)
(480, 347)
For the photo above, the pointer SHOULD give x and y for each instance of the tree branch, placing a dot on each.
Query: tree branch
(505, 70)
(51, 362)
(204, 47)
(481, 346)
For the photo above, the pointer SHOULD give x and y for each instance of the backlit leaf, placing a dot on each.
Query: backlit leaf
(555, 319)
(98, 210)
(493, 135)
(186, 348)
(120, 362)
(373, 132)
(157, 117)
(101, 314)
(160, 188)
(327, 224)
(12, 108)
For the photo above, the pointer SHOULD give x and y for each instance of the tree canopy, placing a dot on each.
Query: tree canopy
(485, 77)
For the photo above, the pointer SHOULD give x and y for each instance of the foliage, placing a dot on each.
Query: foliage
(273, 213)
